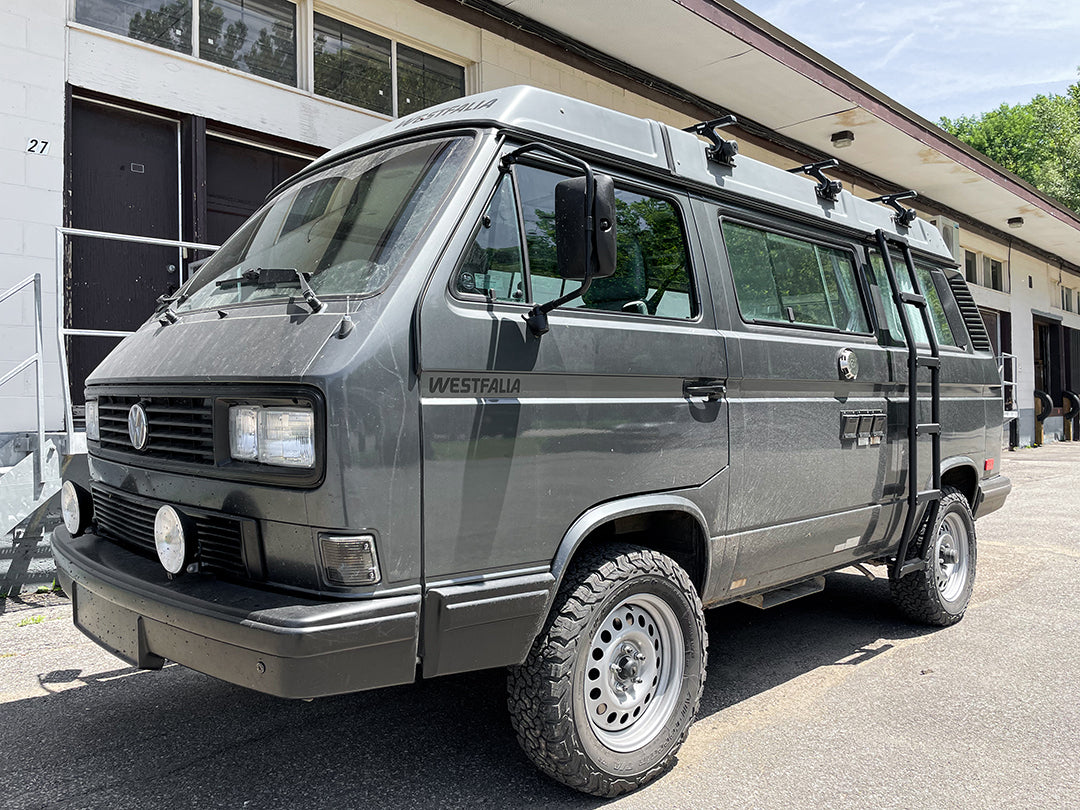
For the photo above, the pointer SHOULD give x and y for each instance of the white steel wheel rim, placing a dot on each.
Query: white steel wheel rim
(951, 559)
(633, 672)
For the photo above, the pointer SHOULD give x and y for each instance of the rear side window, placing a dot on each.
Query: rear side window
(652, 275)
(942, 331)
(787, 280)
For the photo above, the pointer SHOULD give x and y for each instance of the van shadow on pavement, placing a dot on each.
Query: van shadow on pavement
(133, 739)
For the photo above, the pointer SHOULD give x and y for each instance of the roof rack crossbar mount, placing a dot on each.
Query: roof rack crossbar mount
(826, 189)
(720, 151)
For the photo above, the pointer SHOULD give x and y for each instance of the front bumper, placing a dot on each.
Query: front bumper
(275, 643)
(992, 495)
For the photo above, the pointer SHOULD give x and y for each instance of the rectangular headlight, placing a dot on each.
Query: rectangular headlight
(287, 437)
(243, 433)
(284, 437)
(93, 428)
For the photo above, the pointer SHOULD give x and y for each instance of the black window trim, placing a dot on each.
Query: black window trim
(679, 200)
(814, 238)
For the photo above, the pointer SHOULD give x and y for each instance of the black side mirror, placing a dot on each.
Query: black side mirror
(576, 258)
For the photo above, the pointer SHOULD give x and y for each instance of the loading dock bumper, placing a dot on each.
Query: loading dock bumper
(992, 494)
(276, 643)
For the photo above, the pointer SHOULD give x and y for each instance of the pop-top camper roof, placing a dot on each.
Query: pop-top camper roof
(657, 147)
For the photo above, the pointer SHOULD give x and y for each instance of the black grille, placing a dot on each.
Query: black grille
(129, 521)
(179, 428)
(980, 341)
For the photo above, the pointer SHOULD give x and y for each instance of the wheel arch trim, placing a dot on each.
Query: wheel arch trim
(593, 518)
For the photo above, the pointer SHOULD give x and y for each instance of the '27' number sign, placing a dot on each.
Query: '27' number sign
(36, 146)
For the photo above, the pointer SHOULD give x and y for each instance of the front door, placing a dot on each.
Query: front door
(523, 433)
(124, 180)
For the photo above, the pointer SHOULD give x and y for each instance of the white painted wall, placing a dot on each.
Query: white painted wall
(31, 197)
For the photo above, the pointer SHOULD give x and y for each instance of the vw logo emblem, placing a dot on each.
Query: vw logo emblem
(138, 431)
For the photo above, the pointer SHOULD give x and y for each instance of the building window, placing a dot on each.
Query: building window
(424, 80)
(353, 65)
(971, 267)
(256, 36)
(993, 274)
(373, 72)
(1067, 299)
(166, 24)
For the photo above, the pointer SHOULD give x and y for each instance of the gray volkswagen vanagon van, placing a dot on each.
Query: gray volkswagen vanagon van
(521, 381)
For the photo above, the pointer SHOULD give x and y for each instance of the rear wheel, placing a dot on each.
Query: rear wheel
(611, 685)
(939, 594)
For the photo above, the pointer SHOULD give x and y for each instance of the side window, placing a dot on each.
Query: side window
(784, 279)
(938, 320)
(652, 275)
(492, 264)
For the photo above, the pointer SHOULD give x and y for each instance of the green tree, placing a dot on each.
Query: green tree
(1039, 141)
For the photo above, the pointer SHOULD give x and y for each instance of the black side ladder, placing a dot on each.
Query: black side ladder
(932, 361)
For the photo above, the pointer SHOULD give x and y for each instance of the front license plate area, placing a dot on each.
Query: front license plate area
(113, 627)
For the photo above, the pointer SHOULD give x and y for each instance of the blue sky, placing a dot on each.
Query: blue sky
(950, 57)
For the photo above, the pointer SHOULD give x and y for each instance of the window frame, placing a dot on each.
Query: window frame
(304, 12)
(816, 239)
(953, 320)
(678, 201)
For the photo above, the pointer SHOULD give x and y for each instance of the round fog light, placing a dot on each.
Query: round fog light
(169, 540)
(75, 507)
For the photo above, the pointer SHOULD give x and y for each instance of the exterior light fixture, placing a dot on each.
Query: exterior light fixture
(1015, 222)
(843, 138)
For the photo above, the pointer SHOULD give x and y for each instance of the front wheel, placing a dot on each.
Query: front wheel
(609, 690)
(940, 592)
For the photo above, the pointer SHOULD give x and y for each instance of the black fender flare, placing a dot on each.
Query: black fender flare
(637, 504)
(1047, 405)
(1073, 399)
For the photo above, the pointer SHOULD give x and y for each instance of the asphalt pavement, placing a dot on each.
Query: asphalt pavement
(832, 701)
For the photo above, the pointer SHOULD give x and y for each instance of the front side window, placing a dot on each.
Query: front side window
(652, 275)
(942, 331)
(348, 228)
(787, 280)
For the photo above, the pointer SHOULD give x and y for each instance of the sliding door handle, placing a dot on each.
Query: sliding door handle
(711, 389)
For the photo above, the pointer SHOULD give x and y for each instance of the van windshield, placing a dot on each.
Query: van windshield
(347, 228)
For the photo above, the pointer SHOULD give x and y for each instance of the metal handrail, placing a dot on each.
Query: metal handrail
(37, 360)
(1008, 387)
(63, 332)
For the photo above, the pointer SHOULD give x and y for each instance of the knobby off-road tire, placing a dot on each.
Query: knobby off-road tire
(613, 681)
(939, 594)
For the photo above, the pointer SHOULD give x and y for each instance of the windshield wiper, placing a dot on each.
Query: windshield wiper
(164, 306)
(272, 277)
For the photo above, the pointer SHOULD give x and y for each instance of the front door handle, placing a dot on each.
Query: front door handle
(710, 388)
